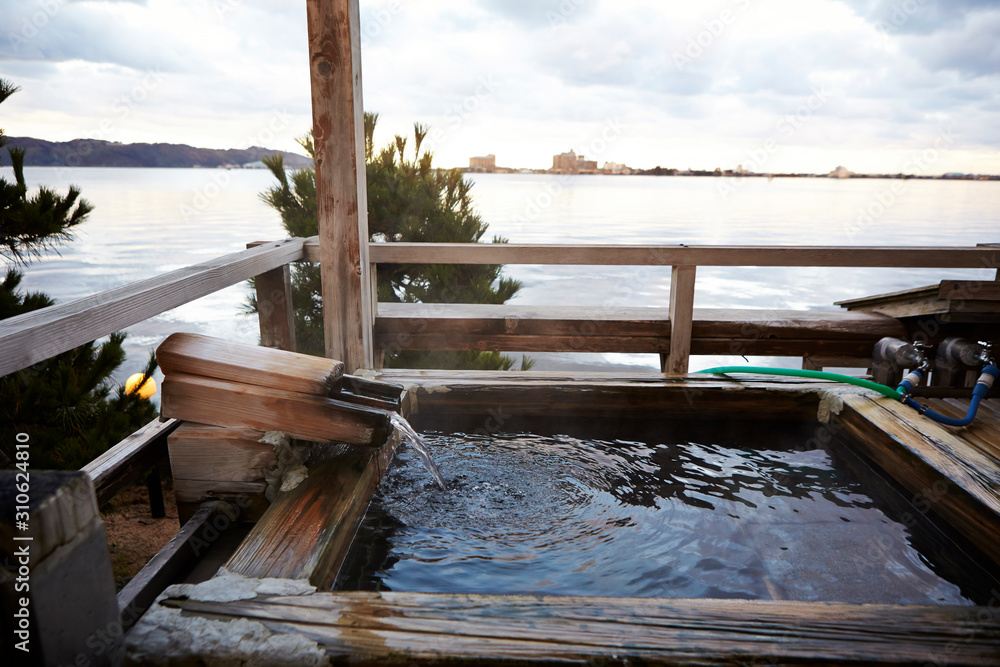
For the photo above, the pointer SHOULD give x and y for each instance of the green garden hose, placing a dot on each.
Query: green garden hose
(815, 375)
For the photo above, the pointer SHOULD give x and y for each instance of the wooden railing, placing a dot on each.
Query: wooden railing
(684, 261)
(39, 335)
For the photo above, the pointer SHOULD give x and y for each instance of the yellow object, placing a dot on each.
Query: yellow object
(147, 390)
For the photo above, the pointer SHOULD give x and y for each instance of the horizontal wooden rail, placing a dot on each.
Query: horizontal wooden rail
(130, 459)
(665, 255)
(41, 334)
(517, 328)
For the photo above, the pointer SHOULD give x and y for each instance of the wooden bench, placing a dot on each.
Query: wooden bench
(518, 328)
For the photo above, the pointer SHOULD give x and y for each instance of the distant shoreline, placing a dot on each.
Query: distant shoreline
(100, 153)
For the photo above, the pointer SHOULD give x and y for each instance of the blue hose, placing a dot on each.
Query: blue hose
(990, 373)
(902, 392)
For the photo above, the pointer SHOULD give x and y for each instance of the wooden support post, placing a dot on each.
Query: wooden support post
(274, 309)
(341, 189)
(155, 488)
(681, 316)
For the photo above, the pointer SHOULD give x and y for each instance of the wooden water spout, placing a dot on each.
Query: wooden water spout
(216, 382)
(248, 390)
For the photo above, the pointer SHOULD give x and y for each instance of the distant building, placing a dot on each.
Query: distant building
(486, 164)
(616, 169)
(564, 163)
(840, 172)
(571, 163)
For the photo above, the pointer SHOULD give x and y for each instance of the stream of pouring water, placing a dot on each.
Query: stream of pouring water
(413, 438)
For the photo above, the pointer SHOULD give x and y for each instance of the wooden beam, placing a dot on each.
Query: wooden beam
(638, 330)
(682, 280)
(969, 290)
(661, 255)
(341, 190)
(306, 532)
(195, 354)
(130, 459)
(400, 628)
(41, 334)
(530, 394)
(274, 309)
(314, 418)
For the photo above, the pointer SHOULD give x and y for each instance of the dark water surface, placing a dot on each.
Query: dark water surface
(528, 514)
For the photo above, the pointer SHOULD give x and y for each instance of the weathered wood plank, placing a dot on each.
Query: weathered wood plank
(983, 433)
(540, 397)
(195, 354)
(645, 255)
(978, 290)
(202, 452)
(639, 321)
(174, 558)
(416, 628)
(219, 403)
(38, 335)
(275, 315)
(130, 459)
(682, 280)
(960, 483)
(341, 193)
(571, 329)
(307, 531)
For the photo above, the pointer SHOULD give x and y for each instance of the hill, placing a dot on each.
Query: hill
(99, 153)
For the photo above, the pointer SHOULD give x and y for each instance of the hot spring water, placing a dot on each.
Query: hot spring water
(528, 514)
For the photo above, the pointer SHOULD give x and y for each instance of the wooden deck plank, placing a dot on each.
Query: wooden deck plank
(415, 628)
(983, 433)
(951, 476)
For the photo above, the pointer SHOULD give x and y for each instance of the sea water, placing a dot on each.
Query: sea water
(149, 221)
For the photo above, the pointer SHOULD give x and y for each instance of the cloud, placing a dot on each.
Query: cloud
(921, 17)
(533, 77)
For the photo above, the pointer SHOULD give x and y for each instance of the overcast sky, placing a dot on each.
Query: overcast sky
(775, 85)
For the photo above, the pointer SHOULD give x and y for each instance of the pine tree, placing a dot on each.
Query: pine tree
(67, 405)
(411, 201)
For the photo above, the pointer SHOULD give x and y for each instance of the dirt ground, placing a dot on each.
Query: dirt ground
(134, 536)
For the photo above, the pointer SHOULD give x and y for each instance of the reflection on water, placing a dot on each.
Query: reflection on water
(558, 515)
